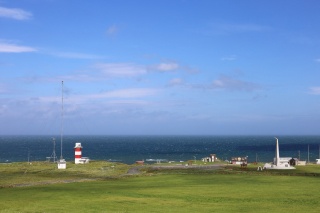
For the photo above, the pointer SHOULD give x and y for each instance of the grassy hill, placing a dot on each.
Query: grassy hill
(106, 187)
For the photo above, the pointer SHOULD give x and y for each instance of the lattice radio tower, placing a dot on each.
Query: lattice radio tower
(54, 156)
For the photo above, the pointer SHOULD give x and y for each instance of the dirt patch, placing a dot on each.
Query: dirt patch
(49, 182)
(209, 167)
(134, 170)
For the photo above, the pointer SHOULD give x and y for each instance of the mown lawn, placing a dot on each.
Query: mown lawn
(171, 192)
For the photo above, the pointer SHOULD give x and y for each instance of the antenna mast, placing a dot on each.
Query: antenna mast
(54, 156)
(308, 153)
(61, 129)
(62, 164)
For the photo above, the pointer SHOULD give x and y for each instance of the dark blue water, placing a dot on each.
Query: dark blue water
(128, 149)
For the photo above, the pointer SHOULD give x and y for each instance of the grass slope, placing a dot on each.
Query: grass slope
(227, 190)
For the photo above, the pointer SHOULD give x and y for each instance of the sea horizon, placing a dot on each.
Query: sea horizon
(130, 148)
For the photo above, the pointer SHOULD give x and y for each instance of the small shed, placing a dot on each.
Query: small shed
(62, 164)
(294, 161)
(140, 162)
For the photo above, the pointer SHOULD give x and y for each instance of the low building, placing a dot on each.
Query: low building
(294, 161)
(282, 160)
(239, 160)
(140, 162)
(211, 158)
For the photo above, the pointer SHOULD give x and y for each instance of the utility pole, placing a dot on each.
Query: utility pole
(308, 153)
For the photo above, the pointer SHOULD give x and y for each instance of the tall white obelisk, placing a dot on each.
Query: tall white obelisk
(277, 163)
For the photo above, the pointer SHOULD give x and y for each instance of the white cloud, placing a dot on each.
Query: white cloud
(76, 55)
(229, 58)
(126, 93)
(121, 69)
(227, 29)
(3, 88)
(314, 90)
(175, 81)
(15, 13)
(240, 28)
(13, 48)
(317, 60)
(224, 82)
(115, 96)
(127, 70)
(112, 30)
(233, 84)
(163, 67)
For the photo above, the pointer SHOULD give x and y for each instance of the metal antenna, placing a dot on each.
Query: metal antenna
(61, 129)
(54, 156)
(308, 153)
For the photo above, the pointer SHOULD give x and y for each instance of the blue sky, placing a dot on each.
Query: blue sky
(160, 67)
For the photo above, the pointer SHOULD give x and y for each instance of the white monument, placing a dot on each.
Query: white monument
(279, 163)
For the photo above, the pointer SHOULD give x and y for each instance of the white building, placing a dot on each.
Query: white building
(279, 163)
(62, 164)
(211, 158)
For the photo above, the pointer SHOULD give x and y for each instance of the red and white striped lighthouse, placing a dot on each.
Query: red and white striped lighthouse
(78, 153)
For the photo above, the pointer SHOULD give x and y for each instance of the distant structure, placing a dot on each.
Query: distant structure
(211, 158)
(239, 160)
(279, 163)
(140, 162)
(157, 160)
(62, 164)
(53, 155)
(78, 159)
(318, 160)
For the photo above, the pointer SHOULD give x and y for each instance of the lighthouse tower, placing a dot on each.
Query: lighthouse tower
(78, 159)
(78, 154)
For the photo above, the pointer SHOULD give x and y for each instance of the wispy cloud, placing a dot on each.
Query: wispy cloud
(133, 70)
(242, 28)
(227, 28)
(229, 58)
(233, 84)
(15, 13)
(223, 83)
(127, 93)
(121, 69)
(176, 81)
(74, 55)
(13, 48)
(317, 60)
(314, 90)
(122, 95)
(165, 67)
(103, 71)
(3, 88)
(171, 67)
(112, 30)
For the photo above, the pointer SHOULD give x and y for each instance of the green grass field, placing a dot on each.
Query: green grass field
(107, 189)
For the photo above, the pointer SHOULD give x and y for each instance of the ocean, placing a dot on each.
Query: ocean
(128, 149)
